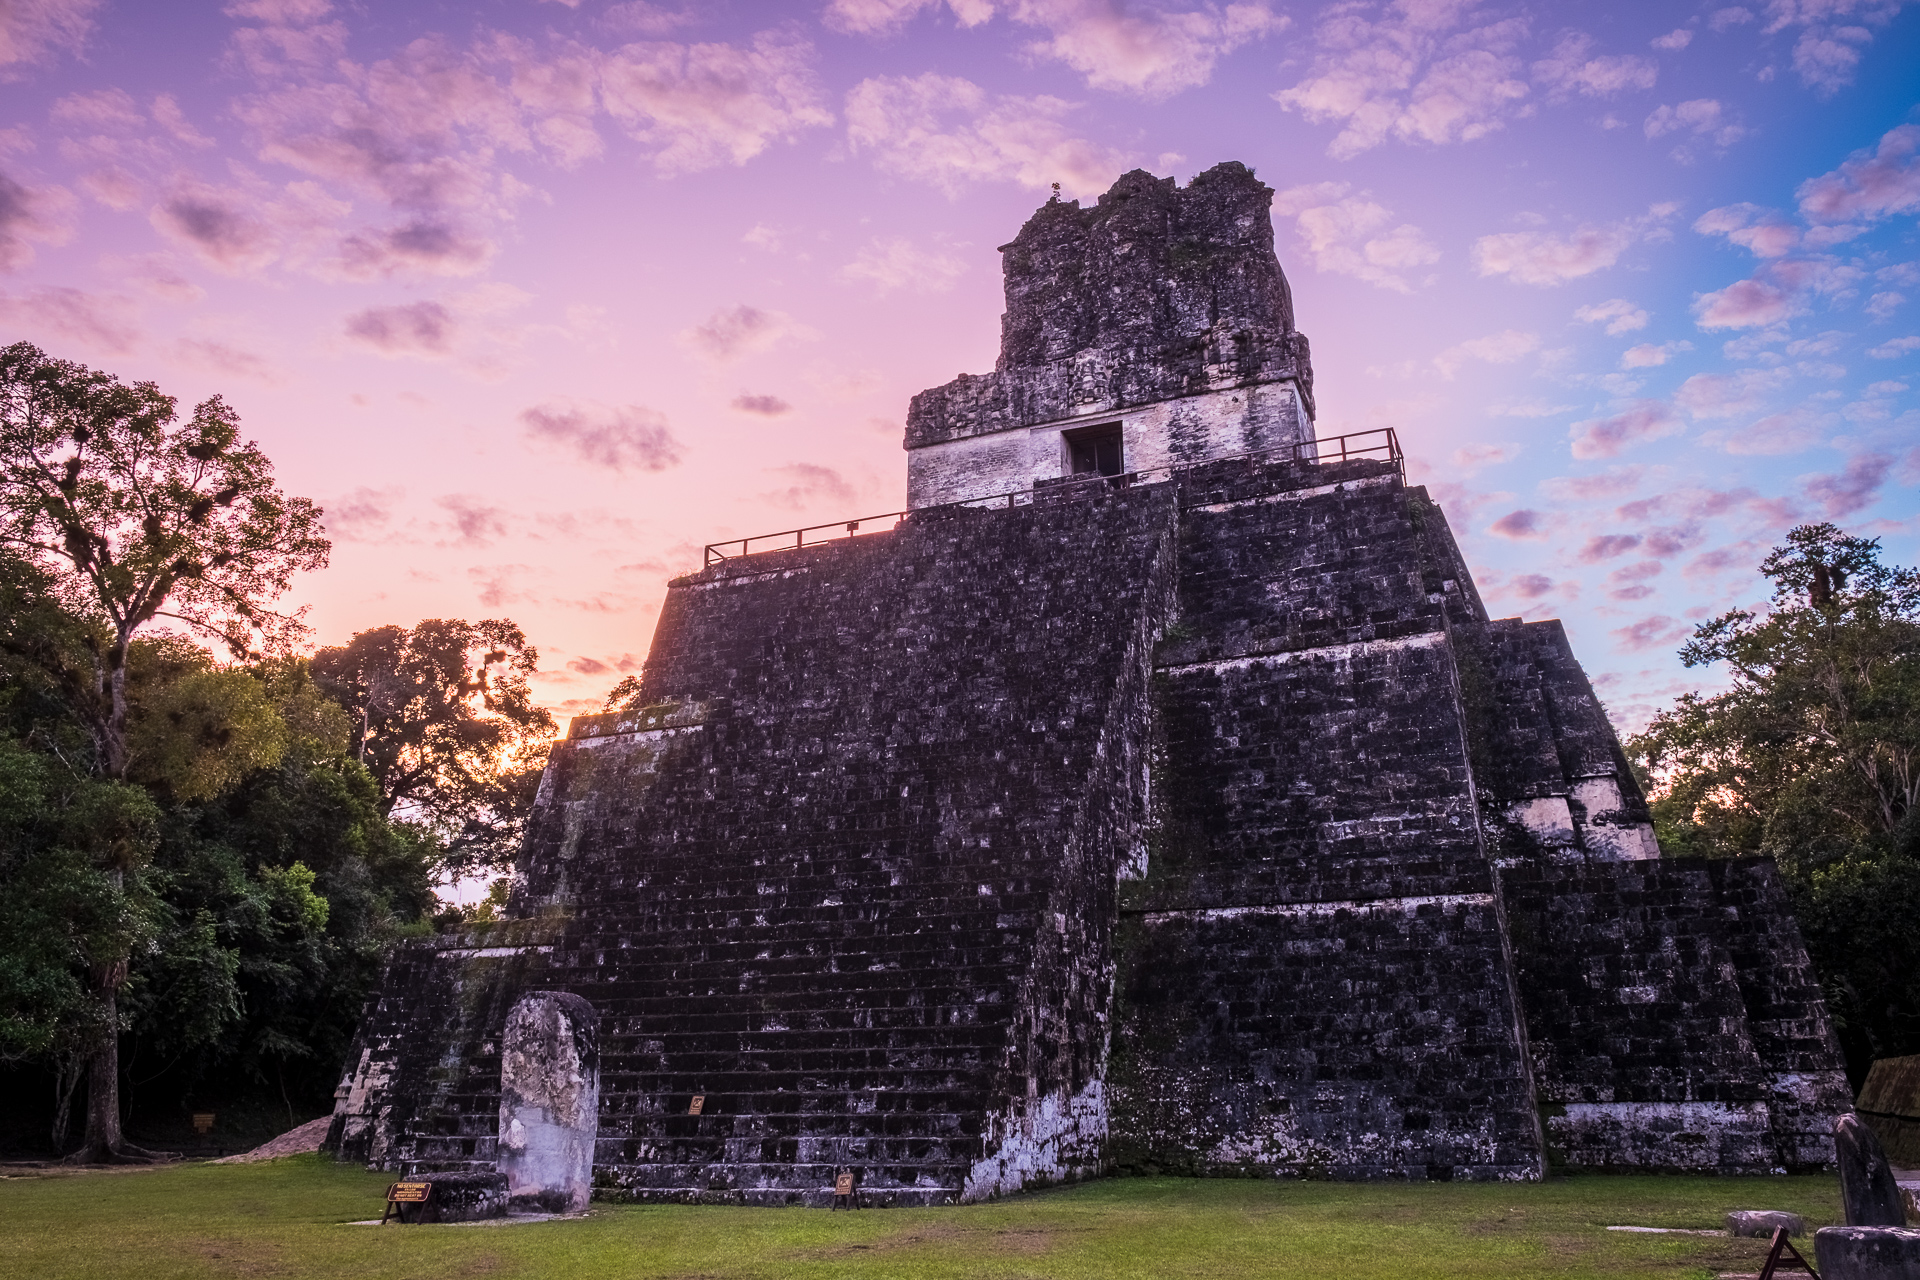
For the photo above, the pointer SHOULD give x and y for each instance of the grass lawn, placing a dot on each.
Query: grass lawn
(286, 1218)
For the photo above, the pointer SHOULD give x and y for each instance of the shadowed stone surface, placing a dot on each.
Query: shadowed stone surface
(1867, 1253)
(1867, 1189)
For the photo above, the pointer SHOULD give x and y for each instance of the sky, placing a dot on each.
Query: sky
(537, 297)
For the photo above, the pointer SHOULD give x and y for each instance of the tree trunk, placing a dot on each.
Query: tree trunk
(104, 1143)
(116, 735)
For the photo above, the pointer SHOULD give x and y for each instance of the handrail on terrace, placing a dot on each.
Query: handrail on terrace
(1332, 449)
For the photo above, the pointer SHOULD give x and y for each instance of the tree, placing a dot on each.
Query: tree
(445, 722)
(135, 517)
(1813, 757)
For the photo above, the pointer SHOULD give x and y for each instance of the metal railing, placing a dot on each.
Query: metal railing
(1332, 449)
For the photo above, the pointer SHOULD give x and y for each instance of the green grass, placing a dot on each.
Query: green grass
(286, 1218)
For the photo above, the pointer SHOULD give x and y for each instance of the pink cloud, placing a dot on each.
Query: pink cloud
(1570, 69)
(1744, 304)
(1412, 74)
(1607, 546)
(31, 32)
(620, 438)
(1619, 315)
(1143, 49)
(950, 133)
(702, 105)
(1853, 488)
(1611, 483)
(1868, 186)
(413, 329)
(1723, 395)
(1339, 231)
(1605, 437)
(100, 322)
(30, 215)
(1530, 586)
(1520, 524)
(1532, 257)
(1650, 632)
(809, 483)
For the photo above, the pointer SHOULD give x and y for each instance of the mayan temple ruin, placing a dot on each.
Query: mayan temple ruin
(1155, 795)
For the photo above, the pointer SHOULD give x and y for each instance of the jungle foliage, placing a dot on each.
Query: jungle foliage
(1812, 756)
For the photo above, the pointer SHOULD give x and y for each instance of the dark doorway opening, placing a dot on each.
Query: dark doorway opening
(1095, 451)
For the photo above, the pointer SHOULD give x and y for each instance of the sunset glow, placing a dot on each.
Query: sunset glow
(537, 299)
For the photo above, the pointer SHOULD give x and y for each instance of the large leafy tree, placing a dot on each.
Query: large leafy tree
(445, 722)
(134, 517)
(1812, 755)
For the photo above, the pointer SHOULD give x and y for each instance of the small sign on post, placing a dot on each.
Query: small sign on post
(402, 1194)
(203, 1122)
(699, 1102)
(846, 1190)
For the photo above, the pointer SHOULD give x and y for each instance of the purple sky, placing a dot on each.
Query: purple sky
(537, 298)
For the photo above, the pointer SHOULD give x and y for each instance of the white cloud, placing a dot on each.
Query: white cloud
(702, 105)
(947, 131)
(1143, 48)
(1146, 47)
(1758, 230)
(1570, 69)
(1410, 74)
(1726, 395)
(1338, 229)
(1647, 356)
(1780, 433)
(884, 17)
(896, 264)
(1504, 347)
(1705, 118)
(1894, 348)
(1533, 257)
(1674, 41)
(1619, 315)
(1881, 306)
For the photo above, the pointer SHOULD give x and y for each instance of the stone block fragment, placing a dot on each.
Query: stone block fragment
(1761, 1223)
(549, 1101)
(1867, 1253)
(1867, 1188)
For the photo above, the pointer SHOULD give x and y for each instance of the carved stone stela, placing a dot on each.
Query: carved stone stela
(549, 1101)
(1157, 796)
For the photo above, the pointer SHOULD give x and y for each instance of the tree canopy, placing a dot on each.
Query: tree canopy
(1812, 756)
(444, 721)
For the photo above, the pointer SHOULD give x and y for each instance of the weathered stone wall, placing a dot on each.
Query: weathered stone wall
(1673, 1018)
(848, 876)
(1162, 308)
(1316, 979)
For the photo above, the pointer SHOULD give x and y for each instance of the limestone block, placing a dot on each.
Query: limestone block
(1867, 1188)
(1867, 1253)
(1762, 1223)
(549, 1101)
